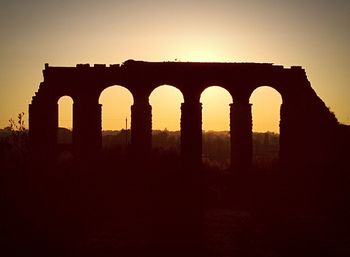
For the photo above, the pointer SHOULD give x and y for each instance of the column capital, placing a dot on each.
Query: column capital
(140, 98)
(241, 99)
(190, 104)
(240, 104)
(191, 97)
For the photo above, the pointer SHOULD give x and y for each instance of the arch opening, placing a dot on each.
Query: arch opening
(216, 126)
(65, 120)
(166, 102)
(116, 104)
(266, 102)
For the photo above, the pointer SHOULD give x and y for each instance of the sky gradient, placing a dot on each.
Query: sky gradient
(312, 34)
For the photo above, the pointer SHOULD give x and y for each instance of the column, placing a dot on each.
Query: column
(191, 133)
(241, 136)
(43, 124)
(141, 129)
(283, 144)
(293, 144)
(87, 135)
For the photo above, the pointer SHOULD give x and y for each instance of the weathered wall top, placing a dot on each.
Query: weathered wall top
(191, 78)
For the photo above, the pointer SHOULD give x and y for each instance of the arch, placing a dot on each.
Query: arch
(65, 120)
(115, 103)
(166, 97)
(214, 98)
(166, 101)
(216, 125)
(266, 102)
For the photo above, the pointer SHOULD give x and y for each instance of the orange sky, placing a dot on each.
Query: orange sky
(313, 34)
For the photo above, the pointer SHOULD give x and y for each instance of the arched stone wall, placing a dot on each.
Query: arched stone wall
(305, 120)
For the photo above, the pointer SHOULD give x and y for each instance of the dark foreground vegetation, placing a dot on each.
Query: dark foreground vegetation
(114, 206)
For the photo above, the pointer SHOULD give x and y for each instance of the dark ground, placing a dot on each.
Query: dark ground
(119, 209)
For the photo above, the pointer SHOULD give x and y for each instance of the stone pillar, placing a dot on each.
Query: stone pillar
(43, 124)
(241, 136)
(283, 144)
(141, 129)
(292, 143)
(191, 134)
(87, 137)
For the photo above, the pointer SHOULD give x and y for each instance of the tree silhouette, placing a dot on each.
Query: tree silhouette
(18, 139)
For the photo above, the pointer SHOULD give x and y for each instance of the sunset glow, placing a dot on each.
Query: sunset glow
(116, 102)
(216, 109)
(266, 103)
(202, 55)
(166, 102)
(65, 112)
(67, 33)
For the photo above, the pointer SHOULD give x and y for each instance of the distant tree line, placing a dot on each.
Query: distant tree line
(216, 144)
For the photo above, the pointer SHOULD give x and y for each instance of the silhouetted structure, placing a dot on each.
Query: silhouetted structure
(301, 110)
